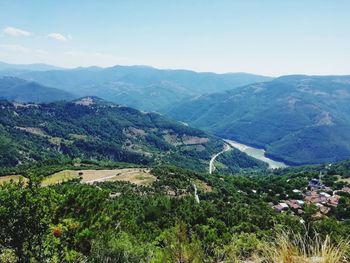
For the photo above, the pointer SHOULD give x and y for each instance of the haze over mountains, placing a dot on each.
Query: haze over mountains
(298, 119)
(142, 87)
(15, 89)
(35, 67)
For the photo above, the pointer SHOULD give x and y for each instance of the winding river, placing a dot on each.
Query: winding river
(256, 153)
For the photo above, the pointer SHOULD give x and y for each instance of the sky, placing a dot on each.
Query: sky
(268, 37)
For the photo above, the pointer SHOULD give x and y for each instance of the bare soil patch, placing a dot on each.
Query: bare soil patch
(139, 176)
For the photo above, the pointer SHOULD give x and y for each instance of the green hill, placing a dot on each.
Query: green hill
(15, 89)
(298, 119)
(93, 129)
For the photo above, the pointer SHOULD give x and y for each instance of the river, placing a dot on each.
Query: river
(257, 154)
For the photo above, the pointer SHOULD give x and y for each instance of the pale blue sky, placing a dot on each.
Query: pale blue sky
(271, 37)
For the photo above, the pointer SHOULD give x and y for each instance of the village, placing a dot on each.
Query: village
(316, 193)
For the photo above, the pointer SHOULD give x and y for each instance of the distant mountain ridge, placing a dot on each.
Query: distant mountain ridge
(141, 87)
(32, 67)
(298, 119)
(15, 89)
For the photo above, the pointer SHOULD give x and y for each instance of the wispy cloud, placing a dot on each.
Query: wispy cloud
(59, 37)
(15, 32)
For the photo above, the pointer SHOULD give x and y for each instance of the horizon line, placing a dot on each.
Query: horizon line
(162, 68)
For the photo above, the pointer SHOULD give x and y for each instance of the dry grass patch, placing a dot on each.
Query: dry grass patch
(9, 178)
(137, 176)
(203, 186)
(60, 177)
(74, 136)
(345, 180)
(32, 130)
(294, 248)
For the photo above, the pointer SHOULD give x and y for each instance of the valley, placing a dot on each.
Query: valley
(109, 178)
(175, 131)
(298, 119)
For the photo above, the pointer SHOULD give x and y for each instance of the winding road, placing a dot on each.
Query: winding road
(227, 147)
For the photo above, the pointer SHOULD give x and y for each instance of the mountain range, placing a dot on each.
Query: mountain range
(141, 87)
(298, 119)
(34, 67)
(15, 89)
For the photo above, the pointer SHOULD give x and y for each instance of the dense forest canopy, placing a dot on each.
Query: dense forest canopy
(94, 130)
(298, 119)
(161, 222)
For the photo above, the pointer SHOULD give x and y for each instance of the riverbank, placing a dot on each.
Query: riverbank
(257, 153)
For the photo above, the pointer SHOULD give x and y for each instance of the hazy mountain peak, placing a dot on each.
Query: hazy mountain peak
(31, 67)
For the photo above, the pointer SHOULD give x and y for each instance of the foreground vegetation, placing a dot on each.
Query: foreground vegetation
(163, 222)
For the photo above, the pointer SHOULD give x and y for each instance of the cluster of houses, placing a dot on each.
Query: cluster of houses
(324, 198)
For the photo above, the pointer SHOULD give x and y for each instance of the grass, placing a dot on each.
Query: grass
(294, 248)
(137, 176)
(59, 177)
(202, 186)
(9, 178)
(287, 247)
(345, 180)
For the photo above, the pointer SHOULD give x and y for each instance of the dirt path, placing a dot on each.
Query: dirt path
(211, 163)
(102, 179)
(196, 197)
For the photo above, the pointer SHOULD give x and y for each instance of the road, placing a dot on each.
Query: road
(211, 163)
(100, 179)
(196, 197)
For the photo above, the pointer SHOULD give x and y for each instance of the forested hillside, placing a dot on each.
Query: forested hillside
(93, 129)
(298, 119)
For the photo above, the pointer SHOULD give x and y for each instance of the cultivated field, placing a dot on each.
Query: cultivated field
(137, 176)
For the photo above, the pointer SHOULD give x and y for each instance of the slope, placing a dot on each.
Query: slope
(142, 87)
(93, 129)
(15, 89)
(298, 119)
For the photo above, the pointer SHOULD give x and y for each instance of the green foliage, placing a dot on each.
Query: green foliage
(179, 246)
(101, 131)
(298, 119)
(241, 161)
(117, 247)
(74, 222)
(25, 213)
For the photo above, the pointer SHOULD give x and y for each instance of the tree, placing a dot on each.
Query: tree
(25, 217)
